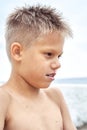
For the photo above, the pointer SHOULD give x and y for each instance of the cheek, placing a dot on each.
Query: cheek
(31, 69)
(33, 74)
(35, 65)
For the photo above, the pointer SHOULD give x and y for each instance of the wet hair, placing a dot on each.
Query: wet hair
(29, 22)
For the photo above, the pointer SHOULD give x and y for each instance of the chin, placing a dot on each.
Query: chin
(45, 86)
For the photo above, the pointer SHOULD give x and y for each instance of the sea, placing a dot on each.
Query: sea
(75, 94)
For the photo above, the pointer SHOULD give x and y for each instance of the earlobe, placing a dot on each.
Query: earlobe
(16, 51)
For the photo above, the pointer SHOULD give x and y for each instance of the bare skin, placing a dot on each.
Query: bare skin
(26, 102)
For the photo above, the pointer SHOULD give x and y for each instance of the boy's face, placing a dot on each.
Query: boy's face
(40, 61)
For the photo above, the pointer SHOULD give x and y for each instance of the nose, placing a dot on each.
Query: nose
(55, 64)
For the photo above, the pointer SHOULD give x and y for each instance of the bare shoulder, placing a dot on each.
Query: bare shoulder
(4, 103)
(54, 91)
(4, 96)
(55, 94)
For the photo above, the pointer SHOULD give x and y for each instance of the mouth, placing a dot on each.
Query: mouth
(51, 76)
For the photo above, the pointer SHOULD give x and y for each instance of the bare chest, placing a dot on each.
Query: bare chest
(30, 116)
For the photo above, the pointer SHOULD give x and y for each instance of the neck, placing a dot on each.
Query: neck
(20, 86)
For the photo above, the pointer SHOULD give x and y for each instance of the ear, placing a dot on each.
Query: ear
(16, 51)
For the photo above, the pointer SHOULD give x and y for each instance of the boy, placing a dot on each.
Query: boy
(34, 42)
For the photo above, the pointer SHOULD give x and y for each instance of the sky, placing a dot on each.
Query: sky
(74, 59)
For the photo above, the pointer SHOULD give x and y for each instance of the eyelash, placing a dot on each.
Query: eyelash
(49, 54)
(59, 56)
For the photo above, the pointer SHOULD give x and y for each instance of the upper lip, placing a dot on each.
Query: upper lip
(51, 74)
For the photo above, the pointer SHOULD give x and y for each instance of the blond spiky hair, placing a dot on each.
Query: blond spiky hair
(27, 23)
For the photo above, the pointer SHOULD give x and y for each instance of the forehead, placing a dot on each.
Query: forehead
(48, 42)
(51, 38)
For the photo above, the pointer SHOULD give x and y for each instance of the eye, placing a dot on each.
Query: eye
(48, 54)
(59, 56)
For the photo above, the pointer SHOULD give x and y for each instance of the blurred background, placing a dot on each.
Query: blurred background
(72, 76)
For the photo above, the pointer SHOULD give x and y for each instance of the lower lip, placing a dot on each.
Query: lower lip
(51, 78)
